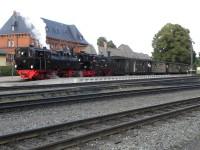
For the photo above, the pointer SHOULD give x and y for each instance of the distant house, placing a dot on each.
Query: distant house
(15, 33)
(2, 58)
(123, 51)
(130, 53)
(90, 50)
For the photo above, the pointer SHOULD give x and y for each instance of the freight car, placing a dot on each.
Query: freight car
(37, 63)
(128, 66)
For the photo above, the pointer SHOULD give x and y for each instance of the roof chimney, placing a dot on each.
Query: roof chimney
(14, 13)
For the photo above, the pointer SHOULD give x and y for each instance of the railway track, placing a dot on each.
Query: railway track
(71, 134)
(12, 95)
(102, 83)
(9, 106)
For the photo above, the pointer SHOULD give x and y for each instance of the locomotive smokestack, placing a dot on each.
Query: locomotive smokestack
(72, 51)
(14, 13)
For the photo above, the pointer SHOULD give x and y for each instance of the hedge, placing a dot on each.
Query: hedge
(7, 71)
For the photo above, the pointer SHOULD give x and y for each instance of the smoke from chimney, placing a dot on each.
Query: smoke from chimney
(37, 27)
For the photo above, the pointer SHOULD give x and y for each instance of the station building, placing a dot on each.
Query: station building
(15, 33)
(123, 51)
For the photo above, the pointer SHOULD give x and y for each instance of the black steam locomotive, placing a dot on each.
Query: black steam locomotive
(36, 63)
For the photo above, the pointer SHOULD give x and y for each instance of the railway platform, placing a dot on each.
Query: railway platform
(17, 81)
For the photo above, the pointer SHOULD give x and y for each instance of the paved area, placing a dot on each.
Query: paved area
(16, 81)
(10, 79)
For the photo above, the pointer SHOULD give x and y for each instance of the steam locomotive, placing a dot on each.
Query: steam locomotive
(41, 63)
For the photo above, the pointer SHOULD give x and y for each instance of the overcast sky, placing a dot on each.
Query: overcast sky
(131, 22)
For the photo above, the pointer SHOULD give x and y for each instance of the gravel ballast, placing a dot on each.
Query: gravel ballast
(177, 133)
(35, 118)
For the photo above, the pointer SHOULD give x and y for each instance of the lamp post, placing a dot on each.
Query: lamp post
(191, 57)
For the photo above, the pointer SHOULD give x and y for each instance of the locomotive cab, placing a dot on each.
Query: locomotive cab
(32, 62)
(23, 56)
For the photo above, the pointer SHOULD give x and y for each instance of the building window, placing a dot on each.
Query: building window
(9, 43)
(12, 44)
(9, 58)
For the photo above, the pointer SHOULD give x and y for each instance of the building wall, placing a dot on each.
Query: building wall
(2, 60)
(56, 44)
(10, 42)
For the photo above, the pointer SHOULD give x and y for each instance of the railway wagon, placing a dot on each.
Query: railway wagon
(158, 67)
(127, 66)
(184, 68)
(142, 66)
(173, 68)
(119, 65)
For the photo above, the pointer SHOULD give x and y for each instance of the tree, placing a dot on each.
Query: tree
(101, 41)
(110, 44)
(172, 43)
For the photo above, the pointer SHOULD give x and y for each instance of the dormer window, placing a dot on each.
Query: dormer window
(13, 28)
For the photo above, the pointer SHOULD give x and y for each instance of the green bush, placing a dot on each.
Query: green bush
(7, 71)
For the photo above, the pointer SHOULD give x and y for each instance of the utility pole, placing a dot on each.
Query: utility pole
(191, 57)
(191, 63)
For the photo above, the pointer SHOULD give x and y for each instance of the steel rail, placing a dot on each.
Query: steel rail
(113, 130)
(85, 84)
(96, 87)
(165, 110)
(8, 106)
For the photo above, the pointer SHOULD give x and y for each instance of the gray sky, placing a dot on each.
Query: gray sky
(131, 22)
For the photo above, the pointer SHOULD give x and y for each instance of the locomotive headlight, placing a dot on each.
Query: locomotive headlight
(15, 66)
(149, 65)
(31, 66)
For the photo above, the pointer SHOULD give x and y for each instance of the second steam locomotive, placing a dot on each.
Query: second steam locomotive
(41, 63)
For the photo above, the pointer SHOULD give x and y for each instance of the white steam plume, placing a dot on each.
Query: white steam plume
(38, 28)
